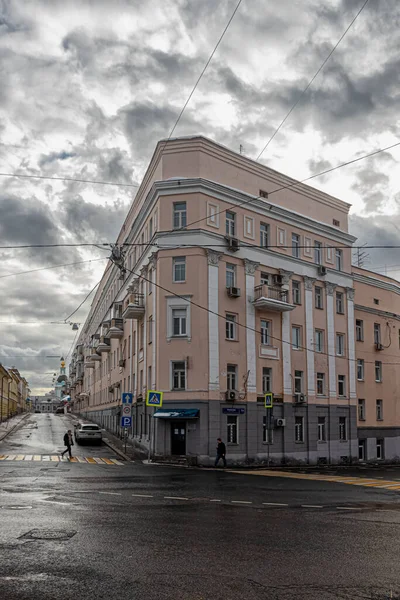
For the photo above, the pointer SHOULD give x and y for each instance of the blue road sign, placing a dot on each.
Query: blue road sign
(126, 421)
(127, 398)
(154, 398)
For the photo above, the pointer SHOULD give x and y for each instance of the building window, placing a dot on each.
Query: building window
(340, 344)
(319, 340)
(178, 376)
(149, 377)
(295, 245)
(321, 429)
(318, 253)
(359, 330)
(151, 228)
(179, 215)
(230, 275)
(141, 381)
(179, 317)
(179, 269)
(339, 259)
(264, 235)
(339, 303)
(379, 410)
(266, 333)
(380, 455)
(296, 337)
(141, 339)
(296, 292)
(336, 223)
(266, 380)
(377, 333)
(230, 327)
(298, 382)
(230, 223)
(378, 371)
(264, 280)
(231, 377)
(299, 429)
(268, 432)
(360, 369)
(232, 429)
(150, 281)
(320, 384)
(376, 300)
(263, 194)
(150, 330)
(341, 385)
(361, 409)
(342, 429)
(319, 303)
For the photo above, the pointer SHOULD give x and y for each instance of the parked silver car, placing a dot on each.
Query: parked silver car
(88, 432)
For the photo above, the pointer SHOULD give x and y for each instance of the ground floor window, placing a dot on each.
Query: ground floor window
(321, 429)
(232, 434)
(299, 429)
(362, 450)
(380, 449)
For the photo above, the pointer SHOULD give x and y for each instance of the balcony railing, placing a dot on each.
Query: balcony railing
(272, 298)
(134, 307)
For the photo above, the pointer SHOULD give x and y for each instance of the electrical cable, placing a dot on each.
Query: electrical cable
(311, 81)
(23, 176)
(81, 262)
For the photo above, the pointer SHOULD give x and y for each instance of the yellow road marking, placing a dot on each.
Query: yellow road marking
(54, 458)
(11, 457)
(108, 461)
(2, 457)
(117, 462)
(37, 457)
(91, 460)
(98, 460)
(19, 457)
(81, 459)
(73, 459)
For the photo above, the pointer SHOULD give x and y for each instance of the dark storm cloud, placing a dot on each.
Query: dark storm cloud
(371, 185)
(26, 221)
(382, 230)
(55, 156)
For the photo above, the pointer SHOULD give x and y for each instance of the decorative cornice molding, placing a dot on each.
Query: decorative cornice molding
(368, 280)
(309, 282)
(330, 288)
(213, 257)
(377, 311)
(350, 293)
(250, 266)
(286, 276)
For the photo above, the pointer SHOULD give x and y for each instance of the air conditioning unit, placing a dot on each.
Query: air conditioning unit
(231, 395)
(233, 292)
(379, 346)
(277, 279)
(280, 422)
(321, 271)
(233, 244)
(121, 362)
(300, 398)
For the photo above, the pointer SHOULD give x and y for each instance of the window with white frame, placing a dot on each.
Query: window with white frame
(320, 384)
(296, 292)
(319, 302)
(322, 429)
(179, 215)
(361, 409)
(266, 380)
(341, 385)
(230, 275)
(230, 327)
(298, 382)
(378, 371)
(295, 245)
(340, 344)
(359, 330)
(340, 303)
(268, 432)
(264, 279)
(318, 253)
(377, 333)
(232, 429)
(230, 223)
(265, 332)
(264, 235)
(343, 429)
(299, 429)
(178, 375)
(231, 377)
(339, 259)
(179, 269)
(319, 340)
(296, 337)
(179, 318)
(360, 369)
(379, 410)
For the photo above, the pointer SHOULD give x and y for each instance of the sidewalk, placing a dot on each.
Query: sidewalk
(10, 425)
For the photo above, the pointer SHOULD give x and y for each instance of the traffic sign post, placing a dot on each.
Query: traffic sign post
(154, 398)
(127, 398)
(268, 403)
(126, 421)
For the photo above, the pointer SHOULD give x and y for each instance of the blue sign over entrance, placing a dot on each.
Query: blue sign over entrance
(233, 411)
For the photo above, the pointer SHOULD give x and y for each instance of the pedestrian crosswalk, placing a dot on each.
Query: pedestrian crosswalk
(385, 484)
(92, 460)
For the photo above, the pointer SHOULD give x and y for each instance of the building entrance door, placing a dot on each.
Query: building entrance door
(178, 438)
(362, 450)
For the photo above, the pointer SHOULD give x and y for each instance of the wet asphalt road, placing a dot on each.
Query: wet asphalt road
(138, 531)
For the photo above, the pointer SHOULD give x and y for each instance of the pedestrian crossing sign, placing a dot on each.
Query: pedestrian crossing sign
(154, 398)
(268, 400)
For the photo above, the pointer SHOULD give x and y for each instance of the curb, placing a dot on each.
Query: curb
(117, 450)
(14, 427)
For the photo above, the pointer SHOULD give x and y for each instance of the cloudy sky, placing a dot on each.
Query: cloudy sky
(88, 87)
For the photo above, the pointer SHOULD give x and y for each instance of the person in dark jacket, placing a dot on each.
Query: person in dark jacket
(68, 442)
(221, 451)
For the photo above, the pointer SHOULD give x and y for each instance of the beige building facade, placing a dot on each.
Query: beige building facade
(238, 282)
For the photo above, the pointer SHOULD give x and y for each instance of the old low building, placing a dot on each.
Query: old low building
(238, 283)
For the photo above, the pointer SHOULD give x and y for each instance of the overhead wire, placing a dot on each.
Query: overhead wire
(81, 262)
(312, 80)
(26, 176)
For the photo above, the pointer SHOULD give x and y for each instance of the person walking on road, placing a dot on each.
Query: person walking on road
(68, 442)
(221, 451)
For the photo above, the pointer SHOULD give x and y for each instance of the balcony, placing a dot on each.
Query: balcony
(116, 330)
(103, 345)
(134, 307)
(272, 298)
(94, 357)
(79, 358)
(89, 364)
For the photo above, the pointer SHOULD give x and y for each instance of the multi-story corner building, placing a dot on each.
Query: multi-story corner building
(13, 392)
(239, 282)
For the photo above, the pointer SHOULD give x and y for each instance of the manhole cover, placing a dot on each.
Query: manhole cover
(48, 534)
